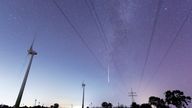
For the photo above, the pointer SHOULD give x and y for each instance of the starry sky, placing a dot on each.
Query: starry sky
(111, 45)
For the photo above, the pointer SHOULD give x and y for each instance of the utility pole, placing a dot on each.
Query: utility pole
(35, 101)
(91, 105)
(132, 95)
(83, 85)
(32, 53)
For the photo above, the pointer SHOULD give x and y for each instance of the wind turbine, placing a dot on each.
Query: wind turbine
(32, 53)
(83, 86)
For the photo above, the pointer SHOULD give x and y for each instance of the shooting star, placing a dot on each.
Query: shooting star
(108, 79)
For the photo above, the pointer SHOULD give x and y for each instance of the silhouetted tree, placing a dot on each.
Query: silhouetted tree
(110, 105)
(4, 106)
(135, 105)
(177, 98)
(154, 100)
(56, 105)
(145, 105)
(157, 102)
(104, 104)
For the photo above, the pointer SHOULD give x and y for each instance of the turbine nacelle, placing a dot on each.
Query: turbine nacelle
(31, 51)
(83, 84)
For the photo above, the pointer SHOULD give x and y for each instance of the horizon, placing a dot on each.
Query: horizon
(113, 46)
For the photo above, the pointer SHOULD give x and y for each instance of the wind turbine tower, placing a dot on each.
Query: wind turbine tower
(83, 85)
(31, 52)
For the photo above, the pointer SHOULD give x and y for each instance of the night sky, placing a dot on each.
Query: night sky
(111, 45)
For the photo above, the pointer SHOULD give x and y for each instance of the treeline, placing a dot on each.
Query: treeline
(56, 105)
(174, 98)
(6, 106)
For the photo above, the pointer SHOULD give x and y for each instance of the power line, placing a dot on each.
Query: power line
(172, 43)
(98, 21)
(97, 25)
(78, 34)
(151, 39)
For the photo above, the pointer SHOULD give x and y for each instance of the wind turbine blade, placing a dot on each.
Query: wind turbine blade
(34, 38)
(31, 51)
